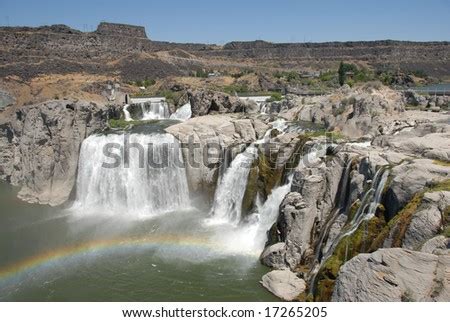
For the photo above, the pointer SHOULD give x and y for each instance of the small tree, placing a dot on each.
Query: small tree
(341, 73)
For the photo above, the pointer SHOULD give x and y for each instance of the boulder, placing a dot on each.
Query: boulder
(284, 284)
(274, 256)
(393, 275)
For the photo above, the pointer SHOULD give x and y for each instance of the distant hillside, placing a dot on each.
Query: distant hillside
(124, 50)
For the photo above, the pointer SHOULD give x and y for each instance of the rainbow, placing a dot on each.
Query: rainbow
(53, 256)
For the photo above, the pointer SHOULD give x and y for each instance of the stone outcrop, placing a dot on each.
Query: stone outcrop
(410, 178)
(284, 284)
(119, 29)
(319, 188)
(314, 188)
(383, 54)
(39, 146)
(219, 133)
(209, 102)
(394, 275)
(353, 112)
(426, 222)
(6, 99)
(427, 140)
(413, 98)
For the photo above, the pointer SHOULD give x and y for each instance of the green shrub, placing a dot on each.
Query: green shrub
(236, 88)
(149, 82)
(201, 73)
(275, 97)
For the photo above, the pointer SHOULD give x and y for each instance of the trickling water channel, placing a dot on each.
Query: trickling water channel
(365, 212)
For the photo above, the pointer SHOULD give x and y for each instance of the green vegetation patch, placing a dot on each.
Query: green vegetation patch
(442, 162)
(275, 97)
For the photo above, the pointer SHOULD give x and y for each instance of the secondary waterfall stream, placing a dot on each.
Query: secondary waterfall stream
(230, 191)
(366, 211)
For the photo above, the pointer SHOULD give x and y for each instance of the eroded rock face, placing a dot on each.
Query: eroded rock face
(6, 99)
(354, 112)
(312, 197)
(394, 275)
(39, 147)
(427, 140)
(219, 132)
(427, 221)
(437, 245)
(409, 178)
(284, 284)
(209, 102)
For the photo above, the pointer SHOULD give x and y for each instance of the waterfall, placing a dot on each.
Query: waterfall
(154, 110)
(183, 113)
(268, 212)
(149, 180)
(230, 191)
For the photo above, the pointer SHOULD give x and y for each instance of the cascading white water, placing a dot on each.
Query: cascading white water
(280, 125)
(230, 191)
(251, 235)
(153, 181)
(183, 113)
(374, 195)
(268, 213)
(127, 113)
(154, 110)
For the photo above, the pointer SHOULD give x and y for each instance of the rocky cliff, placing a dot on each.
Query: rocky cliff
(39, 146)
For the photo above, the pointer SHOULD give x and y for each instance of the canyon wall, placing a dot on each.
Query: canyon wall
(126, 50)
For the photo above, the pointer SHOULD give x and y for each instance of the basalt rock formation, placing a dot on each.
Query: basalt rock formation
(39, 146)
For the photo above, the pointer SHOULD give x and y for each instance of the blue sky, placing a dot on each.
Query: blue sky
(222, 21)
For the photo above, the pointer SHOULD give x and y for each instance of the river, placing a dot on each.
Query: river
(54, 254)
